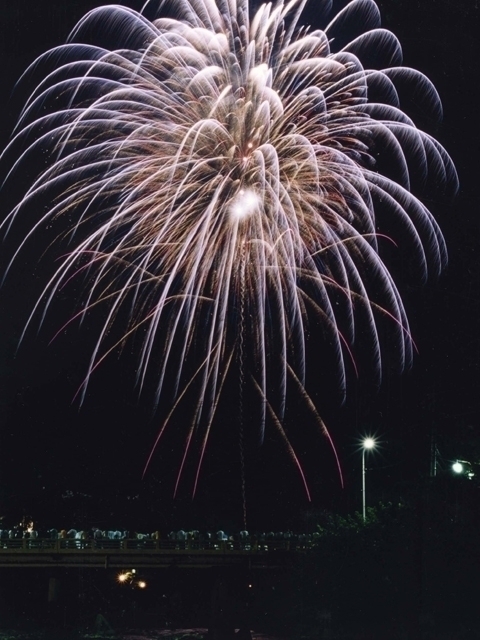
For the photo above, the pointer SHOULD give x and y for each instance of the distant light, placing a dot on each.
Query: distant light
(123, 577)
(368, 443)
(457, 467)
(470, 474)
(142, 584)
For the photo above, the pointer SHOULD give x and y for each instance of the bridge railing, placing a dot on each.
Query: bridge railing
(149, 545)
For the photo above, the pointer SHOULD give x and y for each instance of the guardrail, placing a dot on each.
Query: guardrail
(121, 554)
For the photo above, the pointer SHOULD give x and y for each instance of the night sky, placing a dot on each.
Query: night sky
(63, 464)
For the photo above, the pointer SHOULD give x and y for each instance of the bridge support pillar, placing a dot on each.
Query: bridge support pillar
(220, 627)
(53, 589)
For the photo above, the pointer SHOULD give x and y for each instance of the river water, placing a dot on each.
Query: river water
(180, 634)
(160, 634)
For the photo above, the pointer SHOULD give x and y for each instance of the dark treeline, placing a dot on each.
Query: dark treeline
(409, 571)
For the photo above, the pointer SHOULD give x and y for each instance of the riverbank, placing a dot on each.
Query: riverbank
(159, 634)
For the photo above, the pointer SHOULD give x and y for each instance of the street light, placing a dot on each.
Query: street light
(367, 443)
(457, 467)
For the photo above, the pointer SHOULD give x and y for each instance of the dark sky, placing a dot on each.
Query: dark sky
(61, 462)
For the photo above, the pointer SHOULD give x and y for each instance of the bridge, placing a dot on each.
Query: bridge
(128, 553)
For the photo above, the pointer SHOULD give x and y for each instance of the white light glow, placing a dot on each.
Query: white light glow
(244, 204)
(368, 443)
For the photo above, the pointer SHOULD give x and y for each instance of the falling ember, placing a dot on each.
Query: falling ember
(212, 136)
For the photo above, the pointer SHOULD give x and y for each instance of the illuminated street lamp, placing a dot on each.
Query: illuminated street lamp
(463, 467)
(367, 443)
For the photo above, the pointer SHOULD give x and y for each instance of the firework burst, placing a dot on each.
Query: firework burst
(217, 175)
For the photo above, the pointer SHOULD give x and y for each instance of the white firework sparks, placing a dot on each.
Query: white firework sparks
(221, 174)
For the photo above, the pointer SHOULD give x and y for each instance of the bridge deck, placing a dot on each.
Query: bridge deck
(129, 553)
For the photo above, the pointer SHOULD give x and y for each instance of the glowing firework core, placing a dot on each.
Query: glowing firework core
(245, 204)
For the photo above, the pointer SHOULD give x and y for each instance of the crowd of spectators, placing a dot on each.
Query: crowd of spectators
(181, 539)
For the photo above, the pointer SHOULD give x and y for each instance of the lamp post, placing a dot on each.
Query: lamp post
(367, 443)
(463, 467)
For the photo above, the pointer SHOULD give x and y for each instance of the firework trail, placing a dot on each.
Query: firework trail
(218, 177)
